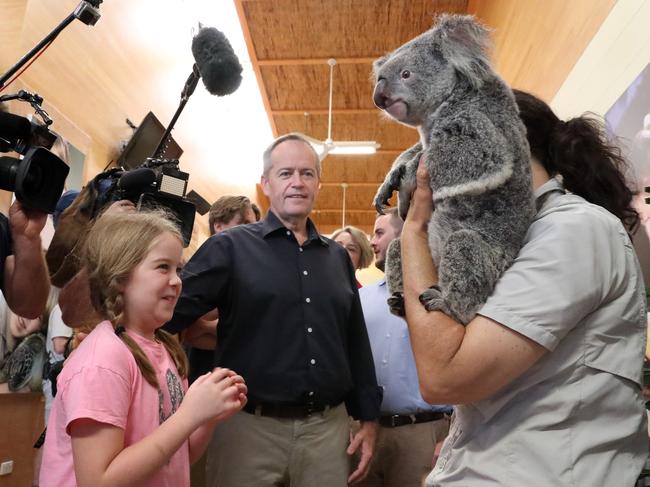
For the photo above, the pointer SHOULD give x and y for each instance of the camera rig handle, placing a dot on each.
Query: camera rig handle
(34, 100)
(87, 12)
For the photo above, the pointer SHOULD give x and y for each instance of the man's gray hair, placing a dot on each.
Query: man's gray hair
(266, 157)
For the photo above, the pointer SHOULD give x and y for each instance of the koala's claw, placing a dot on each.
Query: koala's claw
(432, 300)
(384, 193)
(388, 187)
(396, 304)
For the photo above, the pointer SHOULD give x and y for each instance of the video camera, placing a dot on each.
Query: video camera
(157, 183)
(38, 178)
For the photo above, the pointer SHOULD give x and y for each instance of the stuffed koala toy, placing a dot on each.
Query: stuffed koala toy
(475, 151)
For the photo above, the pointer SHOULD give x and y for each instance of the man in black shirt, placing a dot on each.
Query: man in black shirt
(290, 322)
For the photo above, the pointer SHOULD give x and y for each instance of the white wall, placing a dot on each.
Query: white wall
(616, 55)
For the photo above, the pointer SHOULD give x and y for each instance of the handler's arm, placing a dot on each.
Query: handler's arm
(455, 364)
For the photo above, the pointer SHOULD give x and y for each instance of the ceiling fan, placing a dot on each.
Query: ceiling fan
(329, 146)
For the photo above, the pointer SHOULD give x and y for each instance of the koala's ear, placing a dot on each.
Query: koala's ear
(465, 44)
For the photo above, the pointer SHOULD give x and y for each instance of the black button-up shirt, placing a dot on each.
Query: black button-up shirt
(290, 319)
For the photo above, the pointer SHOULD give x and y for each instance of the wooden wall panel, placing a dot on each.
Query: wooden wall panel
(12, 13)
(357, 197)
(356, 169)
(327, 229)
(537, 43)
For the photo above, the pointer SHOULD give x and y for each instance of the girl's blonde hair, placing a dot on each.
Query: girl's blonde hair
(114, 247)
(361, 240)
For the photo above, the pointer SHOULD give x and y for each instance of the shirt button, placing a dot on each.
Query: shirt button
(305, 272)
(387, 335)
(384, 361)
(307, 300)
(312, 361)
(311, 393)
(288, 232)
(300, 248)
(309, 330)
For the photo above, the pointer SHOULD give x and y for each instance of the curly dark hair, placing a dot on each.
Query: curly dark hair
(580, 151)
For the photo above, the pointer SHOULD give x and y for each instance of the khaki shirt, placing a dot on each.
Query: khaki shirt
(577, 416)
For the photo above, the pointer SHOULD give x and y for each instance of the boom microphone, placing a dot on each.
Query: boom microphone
(216, 61)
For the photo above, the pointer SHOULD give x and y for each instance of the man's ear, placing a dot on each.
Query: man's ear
(264, 182)
(217, 227)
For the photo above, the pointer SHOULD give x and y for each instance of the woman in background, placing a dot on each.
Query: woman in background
(357, 245)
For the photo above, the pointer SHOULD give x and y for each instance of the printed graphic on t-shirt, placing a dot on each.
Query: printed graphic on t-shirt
(175, 391)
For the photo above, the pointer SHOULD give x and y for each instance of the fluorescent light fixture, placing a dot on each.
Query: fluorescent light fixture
(344, 147)
(354, 148)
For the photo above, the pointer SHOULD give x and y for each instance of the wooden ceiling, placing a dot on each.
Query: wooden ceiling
(290, 41)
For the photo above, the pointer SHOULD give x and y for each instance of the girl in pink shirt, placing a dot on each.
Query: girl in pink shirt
(123, 415)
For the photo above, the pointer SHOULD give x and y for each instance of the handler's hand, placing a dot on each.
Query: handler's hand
(366, 438)
(421, 206)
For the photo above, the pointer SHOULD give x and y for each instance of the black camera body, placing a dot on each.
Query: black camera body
(38, 178)
(157, 183)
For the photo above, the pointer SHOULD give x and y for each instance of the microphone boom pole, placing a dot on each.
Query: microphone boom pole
(86, 11)
(216, 64)
(190, 86)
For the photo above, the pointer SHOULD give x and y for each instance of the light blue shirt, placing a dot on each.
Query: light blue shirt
(577, 416)
(391, 351)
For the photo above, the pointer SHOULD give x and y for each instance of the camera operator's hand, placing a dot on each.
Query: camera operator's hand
(26, 282)
(26, 222)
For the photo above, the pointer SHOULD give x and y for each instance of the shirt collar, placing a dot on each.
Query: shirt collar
(550, 186)
(272, 224)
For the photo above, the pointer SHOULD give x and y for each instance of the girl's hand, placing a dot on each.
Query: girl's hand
(214, 396)
(421, 206)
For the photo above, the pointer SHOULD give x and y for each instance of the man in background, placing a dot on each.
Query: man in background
(409, 428)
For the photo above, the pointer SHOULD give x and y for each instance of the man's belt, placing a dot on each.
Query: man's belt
(395, 420)
(278, 410)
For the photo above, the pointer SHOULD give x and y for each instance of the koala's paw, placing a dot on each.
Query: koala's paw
(388, 187)
(396, 304)
(432, 300)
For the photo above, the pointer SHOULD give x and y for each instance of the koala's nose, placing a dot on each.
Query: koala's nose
(380, 97)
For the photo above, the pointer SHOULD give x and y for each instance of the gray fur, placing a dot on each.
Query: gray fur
(475, 150)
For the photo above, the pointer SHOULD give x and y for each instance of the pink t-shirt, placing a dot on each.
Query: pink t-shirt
(101, 381)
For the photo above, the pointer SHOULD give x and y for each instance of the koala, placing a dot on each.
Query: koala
(474, 147)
